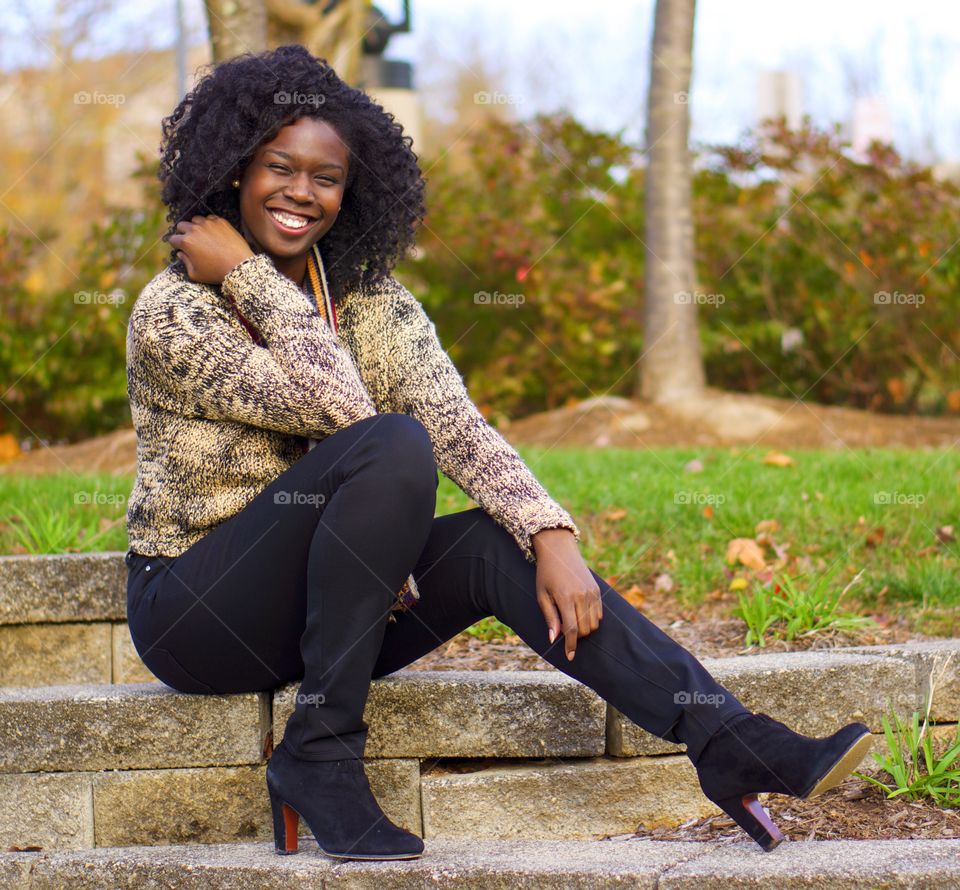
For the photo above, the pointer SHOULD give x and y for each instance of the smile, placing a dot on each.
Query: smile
(290, 223)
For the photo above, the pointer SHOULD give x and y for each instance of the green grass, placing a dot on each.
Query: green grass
(875, 510)
(913, 765)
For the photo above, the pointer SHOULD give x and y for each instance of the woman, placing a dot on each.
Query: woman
(293, 405)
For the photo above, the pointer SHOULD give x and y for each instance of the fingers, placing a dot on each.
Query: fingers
(581, 616)
(551, 615)
(570, 629)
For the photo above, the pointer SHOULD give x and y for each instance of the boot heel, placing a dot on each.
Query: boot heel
(747, 811)
(286, 822)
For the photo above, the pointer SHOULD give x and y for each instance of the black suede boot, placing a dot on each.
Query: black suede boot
(754, 753)
(334, 798)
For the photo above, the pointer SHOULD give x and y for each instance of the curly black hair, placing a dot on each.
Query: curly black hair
(214, 132)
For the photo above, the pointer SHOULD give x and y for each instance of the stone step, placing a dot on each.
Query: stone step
(84, 764)
(63, 620)
(501, 865)
(475, 714)
(63, 587)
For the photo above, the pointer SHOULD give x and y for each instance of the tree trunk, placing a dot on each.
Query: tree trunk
(671, 366)
(236, 27)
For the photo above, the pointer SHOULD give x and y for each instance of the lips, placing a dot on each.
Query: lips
(285, 229)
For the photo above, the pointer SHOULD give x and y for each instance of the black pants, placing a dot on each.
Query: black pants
(299, 584)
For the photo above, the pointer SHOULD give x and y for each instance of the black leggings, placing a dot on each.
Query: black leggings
(299, 584)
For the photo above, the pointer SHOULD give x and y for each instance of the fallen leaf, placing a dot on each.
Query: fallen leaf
(746, 551)
(634, 595)
(615, 515)
(778, 459)
(663, 583)
(945, 534)
(767, 525)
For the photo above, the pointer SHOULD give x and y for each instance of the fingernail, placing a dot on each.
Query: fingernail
(552, 634)
(569, 656)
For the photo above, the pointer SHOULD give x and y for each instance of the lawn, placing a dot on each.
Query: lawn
(662, 517)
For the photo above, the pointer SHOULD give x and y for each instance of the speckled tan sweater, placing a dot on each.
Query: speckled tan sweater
(218, 418)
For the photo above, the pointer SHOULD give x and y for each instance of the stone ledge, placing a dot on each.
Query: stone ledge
(813, 692)
(57, 587)
(51, 654)
(925, 655)
(585, 799)
(475, 714)
(826, 865)
(129, 726)
(501, 865)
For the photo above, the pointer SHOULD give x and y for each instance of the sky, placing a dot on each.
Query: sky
(592, 57)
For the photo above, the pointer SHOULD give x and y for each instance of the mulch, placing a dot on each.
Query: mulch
(854, 810)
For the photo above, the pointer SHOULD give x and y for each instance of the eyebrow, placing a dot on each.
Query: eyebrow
(290, 157)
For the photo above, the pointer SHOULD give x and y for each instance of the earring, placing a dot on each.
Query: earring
(236, 183)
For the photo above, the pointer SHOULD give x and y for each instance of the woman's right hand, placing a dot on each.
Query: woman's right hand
(210, 247)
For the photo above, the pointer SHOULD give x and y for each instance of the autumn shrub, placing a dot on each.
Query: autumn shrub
(823, 276)
(63, 349)
(531, 262)
(819, 275)
(839, 275)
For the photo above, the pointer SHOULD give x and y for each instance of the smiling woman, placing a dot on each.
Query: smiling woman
(256, 560)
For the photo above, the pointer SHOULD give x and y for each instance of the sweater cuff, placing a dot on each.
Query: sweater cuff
(260, 290)
(540, 519)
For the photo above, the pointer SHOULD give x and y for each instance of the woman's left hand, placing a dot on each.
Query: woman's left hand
(567, 592)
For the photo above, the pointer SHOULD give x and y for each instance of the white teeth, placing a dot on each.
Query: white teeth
(294, 222)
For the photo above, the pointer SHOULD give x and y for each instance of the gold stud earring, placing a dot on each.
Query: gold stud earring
(236, 183)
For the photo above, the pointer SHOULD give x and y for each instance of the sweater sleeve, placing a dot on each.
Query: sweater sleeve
(195, 357)
(424, 383)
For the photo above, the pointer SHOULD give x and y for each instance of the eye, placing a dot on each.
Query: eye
(328, 179)
(278, 167)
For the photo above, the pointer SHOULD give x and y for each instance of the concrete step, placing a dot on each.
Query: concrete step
(501, 865)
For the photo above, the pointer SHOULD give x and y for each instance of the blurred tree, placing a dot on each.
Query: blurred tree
(671, 365)
(236, 27)
(335, 30)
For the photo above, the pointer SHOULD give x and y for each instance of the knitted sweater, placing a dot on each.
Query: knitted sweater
(218, 417)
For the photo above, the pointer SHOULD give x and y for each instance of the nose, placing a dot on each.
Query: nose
(299, 188)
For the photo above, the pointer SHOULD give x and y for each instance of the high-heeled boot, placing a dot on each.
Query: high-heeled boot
(334, 798)
(754, 753)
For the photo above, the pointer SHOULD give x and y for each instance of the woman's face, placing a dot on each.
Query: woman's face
(290, 192)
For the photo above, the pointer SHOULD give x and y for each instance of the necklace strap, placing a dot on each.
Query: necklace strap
(321, 291)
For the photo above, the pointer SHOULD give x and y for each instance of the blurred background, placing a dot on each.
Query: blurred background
(809, 235)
